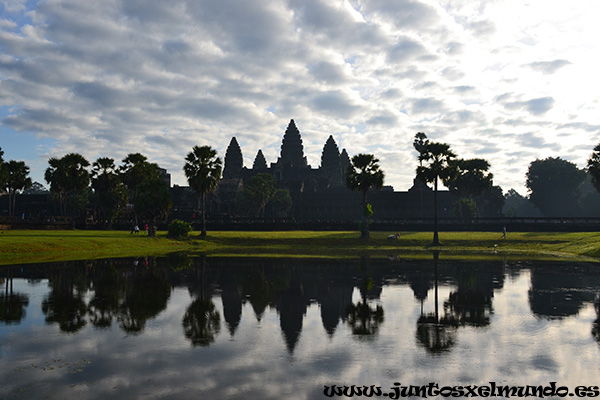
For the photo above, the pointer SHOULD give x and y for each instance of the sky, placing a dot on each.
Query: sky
(510, 81)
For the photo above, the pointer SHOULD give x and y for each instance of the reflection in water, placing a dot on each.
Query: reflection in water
(129, 295)
(12, 305)
(201, 321)
(436, 334)
(361, 317)
(596, 323)
(146, 295)
(471, 303)
(288, 306)
(64, 304)
(562, 291)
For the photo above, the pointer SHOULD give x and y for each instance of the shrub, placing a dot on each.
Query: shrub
(179, 229)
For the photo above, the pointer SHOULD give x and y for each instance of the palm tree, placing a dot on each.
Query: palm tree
(593, 167)
(435, 162)
(471, 178)
(16, 180)
(203, 170)
(67, 176)
(2, 169)
(110, 192)
(469, 181)
(363, 174)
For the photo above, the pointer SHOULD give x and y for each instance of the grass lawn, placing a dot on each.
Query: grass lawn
(24, 246)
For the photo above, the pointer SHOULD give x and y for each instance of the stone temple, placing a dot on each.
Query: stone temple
(291, 170)
(318, 194)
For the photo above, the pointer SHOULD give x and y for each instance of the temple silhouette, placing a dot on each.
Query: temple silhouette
(291, 170)
(317, 194)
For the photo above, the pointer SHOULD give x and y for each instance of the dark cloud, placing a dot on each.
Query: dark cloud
(385, 119)
(455, 48)
(534, 106)
(328, 25)
(503, 97)
(482, 28)
(464, 89)
(407, 49)
(463, 117)
(246, 27)
(427, 105)
(548, 67)
(426, 85)
(334, 103)
(101, 94)
(580, 126)
(393, 93)
(536, 141)
(404, 14)
(328, 72)
(488, 149)
(410, 72)
(452, 73)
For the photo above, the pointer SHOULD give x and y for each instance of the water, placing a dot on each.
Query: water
(238, 328)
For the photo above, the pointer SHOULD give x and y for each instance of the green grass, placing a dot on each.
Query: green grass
(19, 246)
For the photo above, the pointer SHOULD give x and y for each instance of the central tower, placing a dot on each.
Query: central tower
(292, 150)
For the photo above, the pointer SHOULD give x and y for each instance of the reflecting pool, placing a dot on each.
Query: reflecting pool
(250, 328)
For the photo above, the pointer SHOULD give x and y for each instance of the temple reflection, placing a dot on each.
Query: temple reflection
(348, 293)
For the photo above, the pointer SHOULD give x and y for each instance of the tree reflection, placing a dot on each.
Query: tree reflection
(201, 321)
(64, 304)
(12, 305)
(363, 319)
(436, 334)
(147, 294)
(596, 323)
(471, 303)
(109, 290)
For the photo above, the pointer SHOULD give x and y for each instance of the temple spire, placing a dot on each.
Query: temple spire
(234, 162)
(330, 161)
(260, 162)
(292, 150)
(344, 163)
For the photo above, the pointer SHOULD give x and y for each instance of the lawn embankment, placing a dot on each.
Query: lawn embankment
(17, 247)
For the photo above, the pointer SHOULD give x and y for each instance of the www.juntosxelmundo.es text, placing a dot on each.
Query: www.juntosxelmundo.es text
(434, 390)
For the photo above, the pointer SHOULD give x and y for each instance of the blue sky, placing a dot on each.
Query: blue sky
(509, 81)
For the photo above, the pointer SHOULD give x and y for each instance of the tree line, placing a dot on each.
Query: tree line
(13, 179)
(556, 187)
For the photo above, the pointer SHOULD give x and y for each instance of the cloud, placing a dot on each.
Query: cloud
(463, 117)
(329, 72)
(580, 126)
(482, 28)
(335, 103)
(535, 106)
(12, 6)
(386, 119)
(536, 141)
(427, 105)
(548, 67)
(407, 49)
(122, 76)
(404, 14)
(462, 89)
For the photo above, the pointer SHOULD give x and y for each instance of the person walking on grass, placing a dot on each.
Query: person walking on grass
(503, 233)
